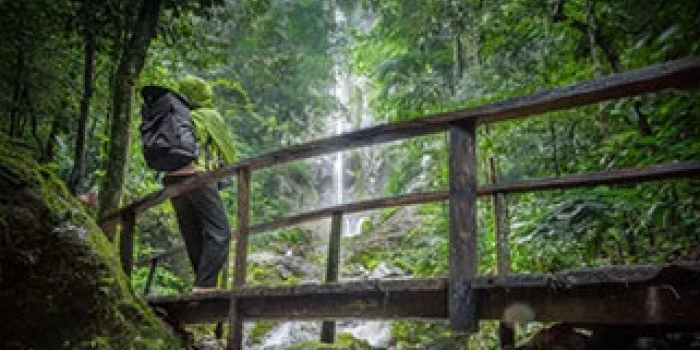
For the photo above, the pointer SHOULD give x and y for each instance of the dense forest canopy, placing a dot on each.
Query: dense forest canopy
(70, 71)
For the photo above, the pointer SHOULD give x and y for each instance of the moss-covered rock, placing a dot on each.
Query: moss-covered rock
(61, 286)
(343, 341)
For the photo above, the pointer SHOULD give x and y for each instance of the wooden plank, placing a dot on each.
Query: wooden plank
(386, 202)
(126, 242)
(235, 340)
(328, 327)
(162, 195)
(223, 284)
(462, 232)
(636, 295)
(151, 275)
(689, 169)
(500, 212)
(506, 331)
(680, 74)
(506, 335)
(684, 73)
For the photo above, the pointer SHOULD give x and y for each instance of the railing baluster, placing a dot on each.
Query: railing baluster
(126, 242)
(506, 333)
(151, 275)
(463, 255)
(235, 339)
(223, 284)
(328, 327)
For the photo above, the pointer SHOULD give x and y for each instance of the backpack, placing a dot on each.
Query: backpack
(167, 133)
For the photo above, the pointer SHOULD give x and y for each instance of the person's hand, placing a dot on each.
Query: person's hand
(88, 199)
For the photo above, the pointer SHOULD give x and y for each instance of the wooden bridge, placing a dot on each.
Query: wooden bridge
(643, 295)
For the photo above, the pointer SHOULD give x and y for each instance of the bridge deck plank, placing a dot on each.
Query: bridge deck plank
(639, 294)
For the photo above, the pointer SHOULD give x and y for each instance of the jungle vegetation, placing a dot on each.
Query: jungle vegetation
(70, 71)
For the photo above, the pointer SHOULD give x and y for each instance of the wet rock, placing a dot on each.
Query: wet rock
(61, 284)
(208, 342)
(296, 265)
(387, 270)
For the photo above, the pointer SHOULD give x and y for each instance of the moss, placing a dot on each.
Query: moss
(259, 330)
(262, 275)
(343, 341)
(60, 279)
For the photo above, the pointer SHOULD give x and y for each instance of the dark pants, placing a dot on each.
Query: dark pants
(205, 229)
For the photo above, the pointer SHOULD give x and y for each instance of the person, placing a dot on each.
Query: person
(203, 225)
(88, 199)
(200, 212)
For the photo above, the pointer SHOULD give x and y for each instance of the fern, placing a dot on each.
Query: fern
(211, 128)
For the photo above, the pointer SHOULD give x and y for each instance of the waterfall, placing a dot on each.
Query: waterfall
(335, 186)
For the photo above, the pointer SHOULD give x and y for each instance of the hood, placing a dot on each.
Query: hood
(197, 91)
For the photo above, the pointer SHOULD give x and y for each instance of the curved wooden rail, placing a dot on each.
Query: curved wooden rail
(463, 293)
(680, 74)
(624, 176)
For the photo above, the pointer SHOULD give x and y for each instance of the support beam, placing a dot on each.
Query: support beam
(126, 242)
(223, 284)
(235, 340)
(151, 276)
(633, 295)
(463, 256)
(328, 327)
(506, 332)
(500, 212)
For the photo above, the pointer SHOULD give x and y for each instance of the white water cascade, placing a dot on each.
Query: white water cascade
(341, 177)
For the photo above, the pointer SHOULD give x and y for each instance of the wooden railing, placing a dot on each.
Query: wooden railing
(462, 193)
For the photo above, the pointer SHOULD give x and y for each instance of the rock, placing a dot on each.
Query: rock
(386, 270)
(61, 284)
(355, 271)
(208, 342)
(286, 334)
(297, 266)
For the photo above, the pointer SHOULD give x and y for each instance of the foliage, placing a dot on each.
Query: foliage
(259, 330)
(280, 240)
(343, 341)
(272, 65)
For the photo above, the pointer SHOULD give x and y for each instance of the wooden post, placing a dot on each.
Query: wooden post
(463, 255)
(506, 333)
(235, 337)
(328, 327)
(151, 275)
(126, 242)
(223, 284)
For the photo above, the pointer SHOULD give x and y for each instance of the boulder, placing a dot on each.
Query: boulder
(61, 284)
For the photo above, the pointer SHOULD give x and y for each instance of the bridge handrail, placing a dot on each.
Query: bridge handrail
(608, 177)
(678, 74)
(463, 189)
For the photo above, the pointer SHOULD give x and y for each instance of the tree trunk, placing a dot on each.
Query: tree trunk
(592, 30)
(14, 103)
(456, 60)
(48, 153)
(78, 171)
(127, 73)
(33, 119)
